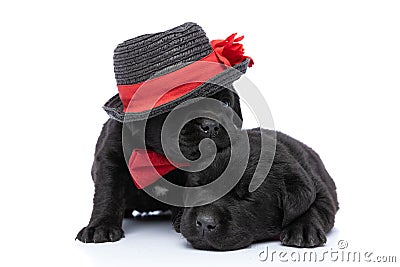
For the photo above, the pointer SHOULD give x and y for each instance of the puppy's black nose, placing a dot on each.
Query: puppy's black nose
(209, 126)
(205, 223)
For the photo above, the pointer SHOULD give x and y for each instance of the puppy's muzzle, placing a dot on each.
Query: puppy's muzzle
(207, 126)
(206, 223)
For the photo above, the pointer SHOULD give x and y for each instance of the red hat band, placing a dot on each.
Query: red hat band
(155, 92)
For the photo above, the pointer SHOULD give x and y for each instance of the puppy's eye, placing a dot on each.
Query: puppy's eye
(226, 102)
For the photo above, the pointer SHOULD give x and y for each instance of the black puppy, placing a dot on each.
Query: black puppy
(296, 203)
(115, 193)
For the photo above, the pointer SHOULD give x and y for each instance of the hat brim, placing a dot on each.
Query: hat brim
(114, 106)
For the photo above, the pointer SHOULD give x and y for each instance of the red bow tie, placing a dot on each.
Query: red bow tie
(147, 166)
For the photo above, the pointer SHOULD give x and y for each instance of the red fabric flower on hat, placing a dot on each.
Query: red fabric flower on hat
(229, 51)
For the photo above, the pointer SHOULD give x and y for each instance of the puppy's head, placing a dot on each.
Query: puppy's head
(234, 221)
(240, 217)
(217, 120)
(189, 132)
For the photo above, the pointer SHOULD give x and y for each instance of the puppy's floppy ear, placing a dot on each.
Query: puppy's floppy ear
(298, 193)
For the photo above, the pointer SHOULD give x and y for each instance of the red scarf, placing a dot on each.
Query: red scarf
(147, 166)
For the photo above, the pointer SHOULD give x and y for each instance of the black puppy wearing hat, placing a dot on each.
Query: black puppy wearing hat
(155, 73)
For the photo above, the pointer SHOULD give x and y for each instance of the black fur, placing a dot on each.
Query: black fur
(296, 203)
(115, 194)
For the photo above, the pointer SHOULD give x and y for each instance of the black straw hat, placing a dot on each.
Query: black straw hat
(156, 72)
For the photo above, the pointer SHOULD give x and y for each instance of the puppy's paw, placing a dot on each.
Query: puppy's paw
(100, 234)
(304, 235)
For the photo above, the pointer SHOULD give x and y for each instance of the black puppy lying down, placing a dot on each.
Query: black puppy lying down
(296, 203)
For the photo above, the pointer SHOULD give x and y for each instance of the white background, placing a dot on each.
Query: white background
(329, 71)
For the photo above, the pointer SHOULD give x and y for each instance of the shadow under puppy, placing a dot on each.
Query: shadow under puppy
(296, 202)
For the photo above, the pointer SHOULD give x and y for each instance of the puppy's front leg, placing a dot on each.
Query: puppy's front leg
(309, 230)
(106, 220)
(108, 203)
(308, 208)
